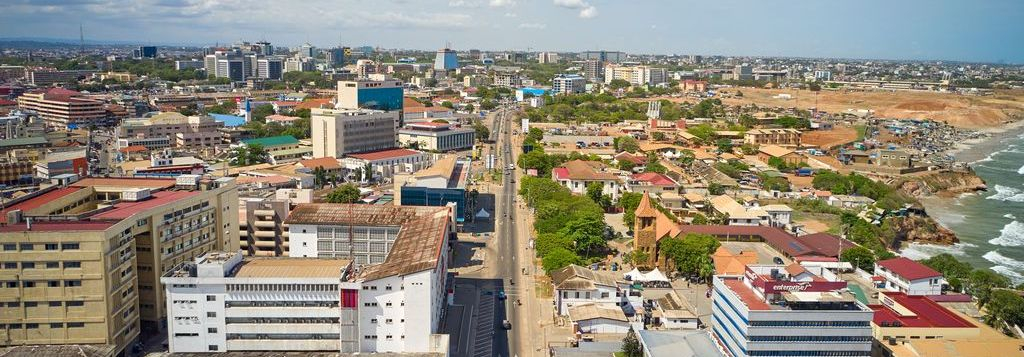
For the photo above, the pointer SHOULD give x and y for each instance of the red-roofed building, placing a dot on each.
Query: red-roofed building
(423, 112)
(652, 182)
(901, 316)
(60, 107)
(330, 165)
(910, 277)
(316, 103)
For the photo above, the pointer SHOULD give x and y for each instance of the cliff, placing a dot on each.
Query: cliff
(942, 183)
(920, 230)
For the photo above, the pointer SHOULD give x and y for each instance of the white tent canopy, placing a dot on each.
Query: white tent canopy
(483, 214)
(653, 275)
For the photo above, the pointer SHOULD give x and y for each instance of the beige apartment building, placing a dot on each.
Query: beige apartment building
(60, 107)
(781, 137)
(81, 262)
(170, 129)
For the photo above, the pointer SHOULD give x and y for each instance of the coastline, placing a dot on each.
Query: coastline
(975, 150)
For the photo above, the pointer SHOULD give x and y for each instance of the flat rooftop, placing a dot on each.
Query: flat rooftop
(747, 296)
(923, 312)
(33, 202)
(292, 268)
(126, 209)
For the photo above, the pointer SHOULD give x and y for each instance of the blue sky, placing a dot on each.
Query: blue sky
(982, 30)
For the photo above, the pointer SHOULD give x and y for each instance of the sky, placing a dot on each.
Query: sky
(979, 30)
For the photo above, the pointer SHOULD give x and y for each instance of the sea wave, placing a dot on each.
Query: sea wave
(1014, 276)
(1012, 235)
(918, 251)
(999, 259)
(1010, 216)
(1006, 193)
(1021, 170)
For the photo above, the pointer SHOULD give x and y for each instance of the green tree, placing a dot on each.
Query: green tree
(482, 131)
(448, 104)
(631, 345)
(250, 154)
(1005, 309)
(716, 189)
(691, 253)
(535, 134)
(793, 122)
(747, 120)
(587, 234)
(559, 258)
(595, 190)
(704, 132)
(347, 193)
(981, 283)
(658, 136)
(951, 268)
(699, 219)
(546, 242)
(470, 108)
(860, 257)
(260, 112)
(724, 145)
(626, 143)
(654, 164)
(626, 165)
(616, 84)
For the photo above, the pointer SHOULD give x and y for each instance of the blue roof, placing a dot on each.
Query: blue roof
(534, 91)
(229, 120)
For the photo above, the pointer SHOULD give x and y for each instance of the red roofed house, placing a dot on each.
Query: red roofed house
(281, 119)
(329, 164)
(577, 174)
(385, 163)
(652, 182)
(424, 112)
(910, 277)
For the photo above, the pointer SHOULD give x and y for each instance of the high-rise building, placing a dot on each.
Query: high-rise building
(298, 64)
(635, 75)
(370, 94)
(269, 68)
(789, 310)
(81, 275)
(603, 56)
(548, 57)
(306, 51)
(264, 48)
(210, 64)
(186, 64)
(337, 132)
(446, 59)
(742, 72)
(568, 84)
(170, 129)
(147, 52)
(232, 68)
(593, 70)
(336, 56)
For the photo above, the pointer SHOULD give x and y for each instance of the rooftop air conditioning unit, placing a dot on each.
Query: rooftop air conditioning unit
(136, 194)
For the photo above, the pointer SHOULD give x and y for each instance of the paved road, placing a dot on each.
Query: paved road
(507, 249)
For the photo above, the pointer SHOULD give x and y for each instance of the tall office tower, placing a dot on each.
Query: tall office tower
(80, 275)
(210, 64)
(548, 57)
(336, 56)
(593, 70)
(369, 94)
(250, 65)
(307, 51)
(147, 52)
(265, 48)
(568, 84)
(603, 56)
(232, 68)
(269, 68)
(446, 59)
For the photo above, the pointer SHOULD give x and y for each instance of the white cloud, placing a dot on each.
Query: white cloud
(533, 26)
(511, 14)
(463, 3)
(588, 12)
(501, 3)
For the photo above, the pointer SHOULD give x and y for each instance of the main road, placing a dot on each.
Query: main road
(508, 260)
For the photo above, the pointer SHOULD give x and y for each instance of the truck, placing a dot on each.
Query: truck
(804, 172)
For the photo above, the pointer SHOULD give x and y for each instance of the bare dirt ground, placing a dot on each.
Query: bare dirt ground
(826, 139)
(965, 111)
(958, 110)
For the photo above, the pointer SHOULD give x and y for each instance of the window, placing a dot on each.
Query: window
(11, 284)
(212, 347)
(211, 330)
(50, 246)
(53, 283)
(26, 246)
(52, 265)
(72, 265)
(13, 304)
(10, 246)
(72, 283)
(28, 265)
(31, 326)
(211, 298)
(10, 265)
(28, 284)
(211, 314)
(54, 303)
(69, 246)
(76, 303)
(56, 325)
(76, 324)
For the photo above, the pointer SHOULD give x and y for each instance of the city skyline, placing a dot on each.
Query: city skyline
(904, 31)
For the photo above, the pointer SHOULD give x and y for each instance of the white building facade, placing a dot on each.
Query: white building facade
(910, 277)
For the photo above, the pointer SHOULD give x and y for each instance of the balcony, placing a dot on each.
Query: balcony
(271, 312)
(284, 345)
(265, 328)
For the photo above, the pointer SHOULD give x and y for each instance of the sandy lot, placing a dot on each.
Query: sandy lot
(827, 139)
(958, 110)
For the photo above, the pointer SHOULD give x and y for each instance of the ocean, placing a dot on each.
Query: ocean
(990, 224)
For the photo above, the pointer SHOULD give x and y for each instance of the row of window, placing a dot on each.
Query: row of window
(50, 303)
(386, 337)
(809, 338)
(374, 304)
(49, 283)
(35, 326)
(282, 287)
(47, 265)
(9, 247)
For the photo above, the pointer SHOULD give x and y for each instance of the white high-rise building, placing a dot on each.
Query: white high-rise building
(373, 279)
(548, 57)
(568, 84)
(777, 310)
(337, 132)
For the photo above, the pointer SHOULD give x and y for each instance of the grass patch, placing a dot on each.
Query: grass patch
(862, 131)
